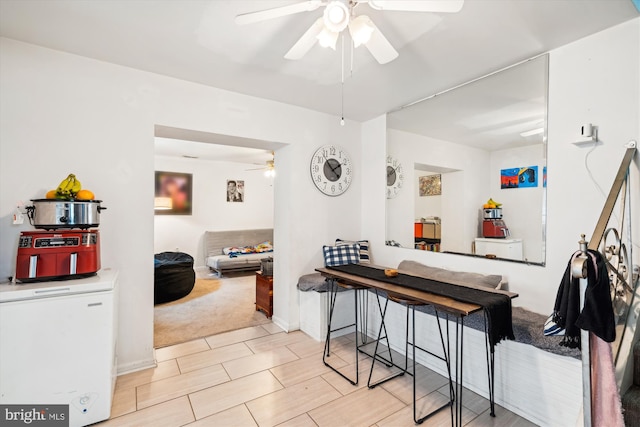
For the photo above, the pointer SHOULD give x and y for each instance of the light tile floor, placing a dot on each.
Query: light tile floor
(262, 376)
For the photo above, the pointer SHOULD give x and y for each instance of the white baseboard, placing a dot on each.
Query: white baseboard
(137, 366)
(282, 324)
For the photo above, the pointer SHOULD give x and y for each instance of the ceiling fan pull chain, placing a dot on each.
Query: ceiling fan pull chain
(352, 53)
(342, 86)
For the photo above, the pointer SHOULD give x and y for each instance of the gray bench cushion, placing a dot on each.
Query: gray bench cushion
(450, 276)
(316, 282)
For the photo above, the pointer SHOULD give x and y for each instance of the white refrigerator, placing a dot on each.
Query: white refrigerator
(58, 345)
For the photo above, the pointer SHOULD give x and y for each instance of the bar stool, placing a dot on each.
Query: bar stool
(411, 304)
(363, 331)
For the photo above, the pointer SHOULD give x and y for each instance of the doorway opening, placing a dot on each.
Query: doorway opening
(206, 164)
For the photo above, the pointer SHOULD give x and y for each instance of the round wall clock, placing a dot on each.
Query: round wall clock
(395, 176)
(331, 170)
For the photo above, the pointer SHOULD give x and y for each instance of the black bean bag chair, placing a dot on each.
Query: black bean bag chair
(174, 276)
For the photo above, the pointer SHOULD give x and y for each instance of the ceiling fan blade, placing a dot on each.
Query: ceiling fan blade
(306, 42)
(438, 6)
(263, 15)
(380, 47)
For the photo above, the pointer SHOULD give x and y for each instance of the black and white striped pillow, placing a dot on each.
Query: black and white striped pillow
(364, 249)
(341, 255)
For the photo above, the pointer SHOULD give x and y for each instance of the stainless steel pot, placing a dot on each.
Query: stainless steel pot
(493, 213)
(51, 214)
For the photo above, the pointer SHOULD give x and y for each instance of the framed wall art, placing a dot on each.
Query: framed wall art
(235, 190)
(173, 193)
(430, 185)
(519, 177)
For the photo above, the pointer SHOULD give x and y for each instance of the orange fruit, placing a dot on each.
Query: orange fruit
(51, 194)
(85, 195)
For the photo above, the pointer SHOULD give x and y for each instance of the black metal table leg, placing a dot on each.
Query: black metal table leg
(490, 368)
(327, 345)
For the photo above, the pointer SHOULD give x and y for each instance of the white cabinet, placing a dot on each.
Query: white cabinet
(501, 248)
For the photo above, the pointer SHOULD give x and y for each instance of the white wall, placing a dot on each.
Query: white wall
(61, 113)
(211, 211)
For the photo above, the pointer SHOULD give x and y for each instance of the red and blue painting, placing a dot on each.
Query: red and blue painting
(519, 177)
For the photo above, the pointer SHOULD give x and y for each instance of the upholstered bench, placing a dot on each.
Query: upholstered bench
(313, 293)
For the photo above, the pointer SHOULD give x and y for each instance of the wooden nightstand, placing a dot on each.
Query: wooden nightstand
(264, 293)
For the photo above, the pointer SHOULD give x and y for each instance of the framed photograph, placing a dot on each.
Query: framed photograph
(430, 185)
(235, 190)
(173, 193)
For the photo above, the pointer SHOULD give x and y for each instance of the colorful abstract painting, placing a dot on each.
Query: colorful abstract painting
(519, 177)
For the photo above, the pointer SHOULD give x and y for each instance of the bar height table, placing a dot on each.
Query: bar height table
(458, 309)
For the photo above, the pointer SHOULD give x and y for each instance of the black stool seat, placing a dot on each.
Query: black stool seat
(351, 286)
(403, 300)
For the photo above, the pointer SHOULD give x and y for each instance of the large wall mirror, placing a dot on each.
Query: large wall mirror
(460, 148)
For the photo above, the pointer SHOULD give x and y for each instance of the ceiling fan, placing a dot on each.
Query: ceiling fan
(269, 167)
(340, 14)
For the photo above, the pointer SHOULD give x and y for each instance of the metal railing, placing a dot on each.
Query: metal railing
(609, 241)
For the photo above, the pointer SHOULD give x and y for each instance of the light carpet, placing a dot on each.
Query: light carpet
(213, 306)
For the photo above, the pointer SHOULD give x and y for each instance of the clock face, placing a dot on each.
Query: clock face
(331, 170)
(395, 177)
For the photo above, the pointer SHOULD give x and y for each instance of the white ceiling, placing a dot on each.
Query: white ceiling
(197, 40)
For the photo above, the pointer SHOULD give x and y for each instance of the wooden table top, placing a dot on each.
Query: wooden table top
(443, 303)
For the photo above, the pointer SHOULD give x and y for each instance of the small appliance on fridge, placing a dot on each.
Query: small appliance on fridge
(69, 246)
(492, 224)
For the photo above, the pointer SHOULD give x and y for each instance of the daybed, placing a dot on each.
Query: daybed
(173, 276)
(222, 256)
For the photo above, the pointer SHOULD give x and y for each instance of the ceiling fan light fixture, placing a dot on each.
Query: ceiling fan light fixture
(336, 16)
(328, 38)
(270, 172)
(361, 30)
